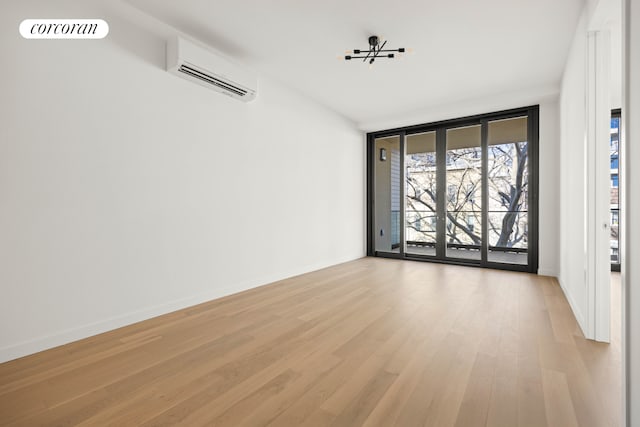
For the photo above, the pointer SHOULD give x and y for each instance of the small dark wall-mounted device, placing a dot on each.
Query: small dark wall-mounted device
(383, 154)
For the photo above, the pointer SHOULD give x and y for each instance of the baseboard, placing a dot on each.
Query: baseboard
(67, 336)
(574, 307)
(550, 273)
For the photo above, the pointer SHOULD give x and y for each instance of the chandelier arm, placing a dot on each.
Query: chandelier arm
(365, 57)
(379, 49)
(368, 54)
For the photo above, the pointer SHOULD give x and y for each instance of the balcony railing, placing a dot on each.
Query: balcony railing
(466, 246)
(421, 225)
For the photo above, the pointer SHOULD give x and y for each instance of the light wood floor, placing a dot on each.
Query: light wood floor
(372, 342)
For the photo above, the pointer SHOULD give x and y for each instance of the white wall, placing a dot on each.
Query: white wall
(631, 209)
(579, 257)
(572, 175)
(549, 194)
(126, 192)
(607, 15)
(615, 27)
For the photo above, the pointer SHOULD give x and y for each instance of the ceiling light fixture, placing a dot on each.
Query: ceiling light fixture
(376, 50)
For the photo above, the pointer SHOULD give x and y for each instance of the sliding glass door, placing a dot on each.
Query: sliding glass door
(461, 191)
(421, 215)
(508, 186)
(387, 179)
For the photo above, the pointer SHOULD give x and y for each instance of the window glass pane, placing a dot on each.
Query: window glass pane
(387, 194)
(464, 192)
(420, 163)
(508, 179)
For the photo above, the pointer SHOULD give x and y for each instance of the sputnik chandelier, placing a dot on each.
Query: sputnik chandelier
(375, 51)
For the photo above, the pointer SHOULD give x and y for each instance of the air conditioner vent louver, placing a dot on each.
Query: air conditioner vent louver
(210, 79)
(206, 68)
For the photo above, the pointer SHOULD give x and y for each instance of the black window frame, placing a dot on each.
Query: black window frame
(532, 114)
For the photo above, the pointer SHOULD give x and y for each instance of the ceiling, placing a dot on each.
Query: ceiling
(463, 49)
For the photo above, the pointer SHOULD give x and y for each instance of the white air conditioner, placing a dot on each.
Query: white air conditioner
(192, 62)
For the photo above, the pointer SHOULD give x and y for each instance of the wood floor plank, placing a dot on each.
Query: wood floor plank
(363, 402)
(557, 400)
(314, 367)
(445, 406)
(439, 362)
(388, 409)
(308, 403)
(475, 403)
(373, 342)
(371, 367)
(503, 404)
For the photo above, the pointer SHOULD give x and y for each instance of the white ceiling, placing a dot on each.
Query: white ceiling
(464, 49)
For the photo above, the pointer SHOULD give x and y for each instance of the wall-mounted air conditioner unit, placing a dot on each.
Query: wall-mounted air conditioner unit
(192, 62)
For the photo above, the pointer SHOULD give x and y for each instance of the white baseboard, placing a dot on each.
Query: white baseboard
(574, 307)
(66, 336)
(545, 272)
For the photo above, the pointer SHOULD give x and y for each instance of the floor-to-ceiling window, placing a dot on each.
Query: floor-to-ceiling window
(387, 209)
(508, 186)
(461, 191)
(420, 212)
